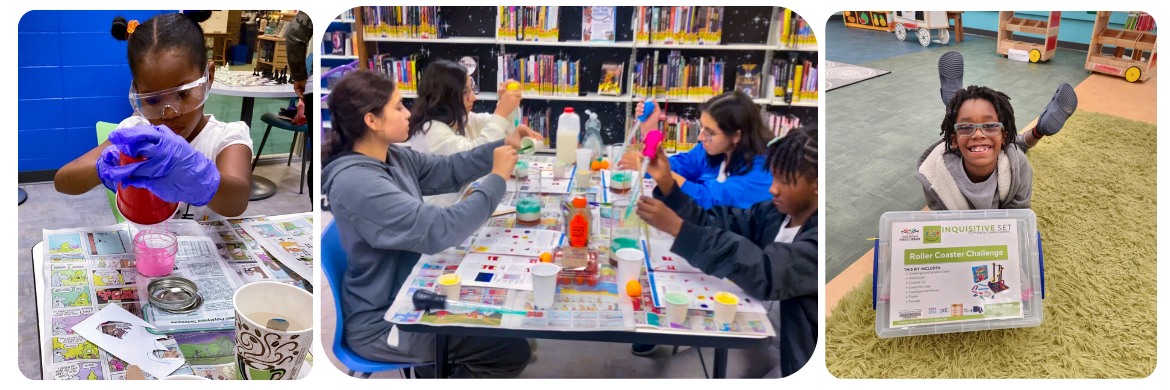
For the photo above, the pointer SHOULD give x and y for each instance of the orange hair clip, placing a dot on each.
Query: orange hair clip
(133, 24)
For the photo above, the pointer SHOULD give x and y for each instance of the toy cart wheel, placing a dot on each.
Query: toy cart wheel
(900, 31)
(924, 37)
(1133, 74)
(944, 36)
(1034, 55)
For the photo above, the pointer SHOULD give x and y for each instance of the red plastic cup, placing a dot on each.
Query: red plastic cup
(141, 206)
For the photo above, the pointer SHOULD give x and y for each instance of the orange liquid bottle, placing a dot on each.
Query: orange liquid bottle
(579, 223)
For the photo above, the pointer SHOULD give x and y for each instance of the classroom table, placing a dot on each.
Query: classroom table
(262, 188)
(38, 262)
(720, 342)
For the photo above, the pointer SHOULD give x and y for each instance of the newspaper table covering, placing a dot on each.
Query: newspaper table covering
(88, 269)
(250, 262)
(289, 238)
(577, 308)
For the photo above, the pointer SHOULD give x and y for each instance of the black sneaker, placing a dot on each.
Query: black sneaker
(643, 349)
(1062, 106)
(950, 75)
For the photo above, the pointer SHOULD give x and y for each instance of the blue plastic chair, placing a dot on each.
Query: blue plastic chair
(335, 263)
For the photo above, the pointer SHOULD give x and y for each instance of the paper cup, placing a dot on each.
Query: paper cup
(544, 284)
(263, 353)
(450, 285)
(676, 307)
(725, 306)
(583, 179)
(629, 265)
(559, 170)
(584, 156)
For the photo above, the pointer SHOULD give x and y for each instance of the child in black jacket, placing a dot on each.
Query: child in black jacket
(769, 250)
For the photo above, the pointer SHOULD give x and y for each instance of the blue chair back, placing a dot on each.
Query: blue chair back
(334, 264)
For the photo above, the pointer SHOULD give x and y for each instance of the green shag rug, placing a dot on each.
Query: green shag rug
(1095, 198)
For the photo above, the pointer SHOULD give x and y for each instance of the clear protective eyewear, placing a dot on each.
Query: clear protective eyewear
(989, 129)
(178, 100)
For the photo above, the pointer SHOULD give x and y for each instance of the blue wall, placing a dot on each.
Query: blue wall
(1075, 26)
(71, 75)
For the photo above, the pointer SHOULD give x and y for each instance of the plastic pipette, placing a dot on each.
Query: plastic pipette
(429, 300)
(647, 110)
(653, 137)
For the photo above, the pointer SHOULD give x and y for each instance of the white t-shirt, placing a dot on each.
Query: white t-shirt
(440, 139)
(787, 234)
(215, 137)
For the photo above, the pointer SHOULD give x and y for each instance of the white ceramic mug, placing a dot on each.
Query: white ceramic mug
(263, 353)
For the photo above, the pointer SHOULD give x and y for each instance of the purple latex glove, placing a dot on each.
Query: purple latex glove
(174, 171)
(110, 170)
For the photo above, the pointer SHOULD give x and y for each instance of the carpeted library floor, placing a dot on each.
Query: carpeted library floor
(1094, 194)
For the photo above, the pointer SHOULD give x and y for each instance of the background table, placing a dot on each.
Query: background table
(262, 188)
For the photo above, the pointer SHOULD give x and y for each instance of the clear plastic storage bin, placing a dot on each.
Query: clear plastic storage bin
(1031, 272)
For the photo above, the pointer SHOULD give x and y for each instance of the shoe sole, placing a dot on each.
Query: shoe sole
(1059, 109)
(950, 73)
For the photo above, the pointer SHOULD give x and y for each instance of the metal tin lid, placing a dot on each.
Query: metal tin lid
(174, 294)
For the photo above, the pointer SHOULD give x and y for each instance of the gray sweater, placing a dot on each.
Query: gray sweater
(947, 187)
(385, 227)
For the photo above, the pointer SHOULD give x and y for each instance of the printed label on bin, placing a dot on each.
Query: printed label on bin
(954, 271)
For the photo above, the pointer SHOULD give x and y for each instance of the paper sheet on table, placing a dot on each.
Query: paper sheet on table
(197, 261)
(242, 253)
(496, 271)
(289, 238)
(122, 334)
(515, 241)
(701, 288)
(660, 258)
(548, 183)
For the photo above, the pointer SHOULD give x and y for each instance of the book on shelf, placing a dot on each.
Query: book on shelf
(528, 23)
(598, 23)
(538, 120)
(680, 134)
(541, 74)
(611, 79)
(781, 124)
(404, 70)
(403, 22)
(679, 25)
(680, 78)
(747, 80)
(346, 15)
(794, 79)
(794, 31)
(343, 43)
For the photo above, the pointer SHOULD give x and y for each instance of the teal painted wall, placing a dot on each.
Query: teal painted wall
(1075, 26)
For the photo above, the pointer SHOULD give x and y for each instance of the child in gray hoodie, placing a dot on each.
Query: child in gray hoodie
(979, 163)
(374, 189)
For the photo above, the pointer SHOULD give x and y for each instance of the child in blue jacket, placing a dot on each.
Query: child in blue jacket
(728, 166)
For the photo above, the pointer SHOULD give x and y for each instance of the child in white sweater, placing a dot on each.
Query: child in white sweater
(441, 121)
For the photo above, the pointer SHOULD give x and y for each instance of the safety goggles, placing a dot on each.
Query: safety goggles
(989, 129)
(178, 100)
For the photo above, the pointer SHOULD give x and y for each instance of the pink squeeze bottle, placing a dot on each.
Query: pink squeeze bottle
(653, 138)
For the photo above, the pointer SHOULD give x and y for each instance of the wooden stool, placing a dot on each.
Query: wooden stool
(957, 16)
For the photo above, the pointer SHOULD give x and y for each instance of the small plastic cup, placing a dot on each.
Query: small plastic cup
(629, 265)
(725, 306)
(527, 145)
(544, 284)
(559, 170)
(583, 179)
(154, 252)
(584, 156)
(450, 285)
(677, 305)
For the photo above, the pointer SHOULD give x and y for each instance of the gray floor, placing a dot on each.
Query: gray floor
(878, 128)
(580, 359)
(48, 209)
